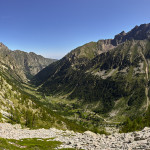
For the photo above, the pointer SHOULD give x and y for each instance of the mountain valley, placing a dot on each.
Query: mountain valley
(101, 86)
(109, 78)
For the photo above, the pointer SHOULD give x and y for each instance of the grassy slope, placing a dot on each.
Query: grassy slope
(30, 144)
(27, 108)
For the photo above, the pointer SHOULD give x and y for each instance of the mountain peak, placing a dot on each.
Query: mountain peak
(141, 32)
(123, 33)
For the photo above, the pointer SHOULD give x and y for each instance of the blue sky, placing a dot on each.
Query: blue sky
(52, 28)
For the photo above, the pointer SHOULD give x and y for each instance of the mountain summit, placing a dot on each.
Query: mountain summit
(141, 32)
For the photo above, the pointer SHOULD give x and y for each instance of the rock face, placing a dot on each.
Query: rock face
(24, 64)
(86, 140)
(141, 32)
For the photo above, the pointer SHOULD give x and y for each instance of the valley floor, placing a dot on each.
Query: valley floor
(87, 140)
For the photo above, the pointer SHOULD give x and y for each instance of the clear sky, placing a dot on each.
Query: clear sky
(52, 28)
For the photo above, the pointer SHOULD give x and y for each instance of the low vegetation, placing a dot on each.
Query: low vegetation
(30, 144)
(135, 124)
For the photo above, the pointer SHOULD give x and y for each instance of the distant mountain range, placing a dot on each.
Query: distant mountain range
(23, 64)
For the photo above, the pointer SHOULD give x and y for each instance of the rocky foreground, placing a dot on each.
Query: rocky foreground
(87, 140)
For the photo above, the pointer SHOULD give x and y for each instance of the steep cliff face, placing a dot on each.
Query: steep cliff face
(25, 65)
(141, 32)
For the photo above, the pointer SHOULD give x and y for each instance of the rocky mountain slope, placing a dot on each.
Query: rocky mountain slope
(23, 64)
(108, 77)
(87, 140)
(16, 105)
(19, 102)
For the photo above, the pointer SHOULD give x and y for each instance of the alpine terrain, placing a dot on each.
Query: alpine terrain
(108, 79)
(96, 97)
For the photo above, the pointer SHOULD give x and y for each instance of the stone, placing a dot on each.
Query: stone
(88, 140)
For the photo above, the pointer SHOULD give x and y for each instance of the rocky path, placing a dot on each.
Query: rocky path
(87, 140)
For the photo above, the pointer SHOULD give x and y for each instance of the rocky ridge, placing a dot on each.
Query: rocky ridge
(87, 140)
(24, 64)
